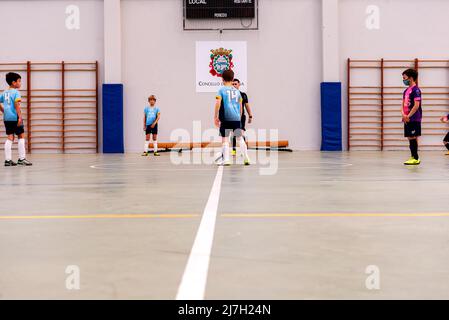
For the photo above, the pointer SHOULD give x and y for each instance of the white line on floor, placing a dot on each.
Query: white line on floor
(194, 279)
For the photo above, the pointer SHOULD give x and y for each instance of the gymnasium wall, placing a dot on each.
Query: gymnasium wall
(284, 56)
(408, 29)
(36, 31)
(284, 69)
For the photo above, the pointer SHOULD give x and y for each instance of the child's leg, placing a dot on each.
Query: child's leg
(446, 141)
(21, 147)
(243, 146)
(147, 143)
(8, 147)
(244, 137)
(225, 148)
(155, 143)
(414, 147)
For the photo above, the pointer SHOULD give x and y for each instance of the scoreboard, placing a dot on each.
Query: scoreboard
(220, 9)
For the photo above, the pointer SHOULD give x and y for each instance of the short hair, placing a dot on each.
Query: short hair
(237, 80)
(152, 97)
(411, 73)
(12, 77)
(228, 75)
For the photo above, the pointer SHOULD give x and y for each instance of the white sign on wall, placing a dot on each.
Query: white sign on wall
(213, 57)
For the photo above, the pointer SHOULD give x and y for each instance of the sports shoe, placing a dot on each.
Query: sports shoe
(24, 162)
(145, 154)
(234, 153)
(10, 163)
(409, 160)
(447, 153)
(246, 162)
(226, 163)
(156, 154)
(219, 159)
(412, 162)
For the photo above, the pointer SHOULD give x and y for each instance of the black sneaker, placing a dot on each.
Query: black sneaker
(10, 163)
(24, 162)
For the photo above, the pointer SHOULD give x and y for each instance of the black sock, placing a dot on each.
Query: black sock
(446, 141)
(234, 142)
(414, 148)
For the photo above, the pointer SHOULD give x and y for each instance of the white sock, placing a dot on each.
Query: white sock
(145, 148)
(22, 152)
(155, 146)
(8, 150)
(226, 151)
(243, 148)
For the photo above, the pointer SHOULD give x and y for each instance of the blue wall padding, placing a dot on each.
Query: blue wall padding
(113, 118)
(331, 135)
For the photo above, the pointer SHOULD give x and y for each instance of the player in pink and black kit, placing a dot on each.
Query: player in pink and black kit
(445, 119)
(412, 113)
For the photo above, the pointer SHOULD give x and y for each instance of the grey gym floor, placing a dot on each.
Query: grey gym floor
(307, 232)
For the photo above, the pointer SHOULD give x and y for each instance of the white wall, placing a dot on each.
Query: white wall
(36, 30)
(408, 29)
(284, 69)
(284, 56)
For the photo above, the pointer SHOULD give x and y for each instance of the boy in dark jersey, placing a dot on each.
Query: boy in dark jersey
(246, 106)
(412, 113)
(228, 115)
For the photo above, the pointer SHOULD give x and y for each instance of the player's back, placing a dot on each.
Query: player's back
(8, 99)
(230, 103)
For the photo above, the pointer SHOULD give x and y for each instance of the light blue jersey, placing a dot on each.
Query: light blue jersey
(151, 114)
(8, 98)
(230, 103)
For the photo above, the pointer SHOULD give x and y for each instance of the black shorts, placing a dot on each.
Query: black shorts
(151, 130)
(226, 127)
(12, 128)
(412, 129)
(244, 122)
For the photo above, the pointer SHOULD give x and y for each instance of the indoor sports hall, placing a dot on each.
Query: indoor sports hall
(121, 180)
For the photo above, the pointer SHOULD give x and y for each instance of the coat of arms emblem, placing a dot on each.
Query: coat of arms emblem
(220, 60)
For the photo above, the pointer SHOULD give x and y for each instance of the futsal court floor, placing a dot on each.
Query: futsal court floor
(309, 231)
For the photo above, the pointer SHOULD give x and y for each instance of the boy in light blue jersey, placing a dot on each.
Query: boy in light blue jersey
(228, 115)
(151, 117)
(10, 101)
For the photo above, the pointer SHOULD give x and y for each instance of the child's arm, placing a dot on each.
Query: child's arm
(444, 119)
(144, 121)
(19, 112)
(404, 116)
(414, 109)
(156, 121)
(1, 108)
